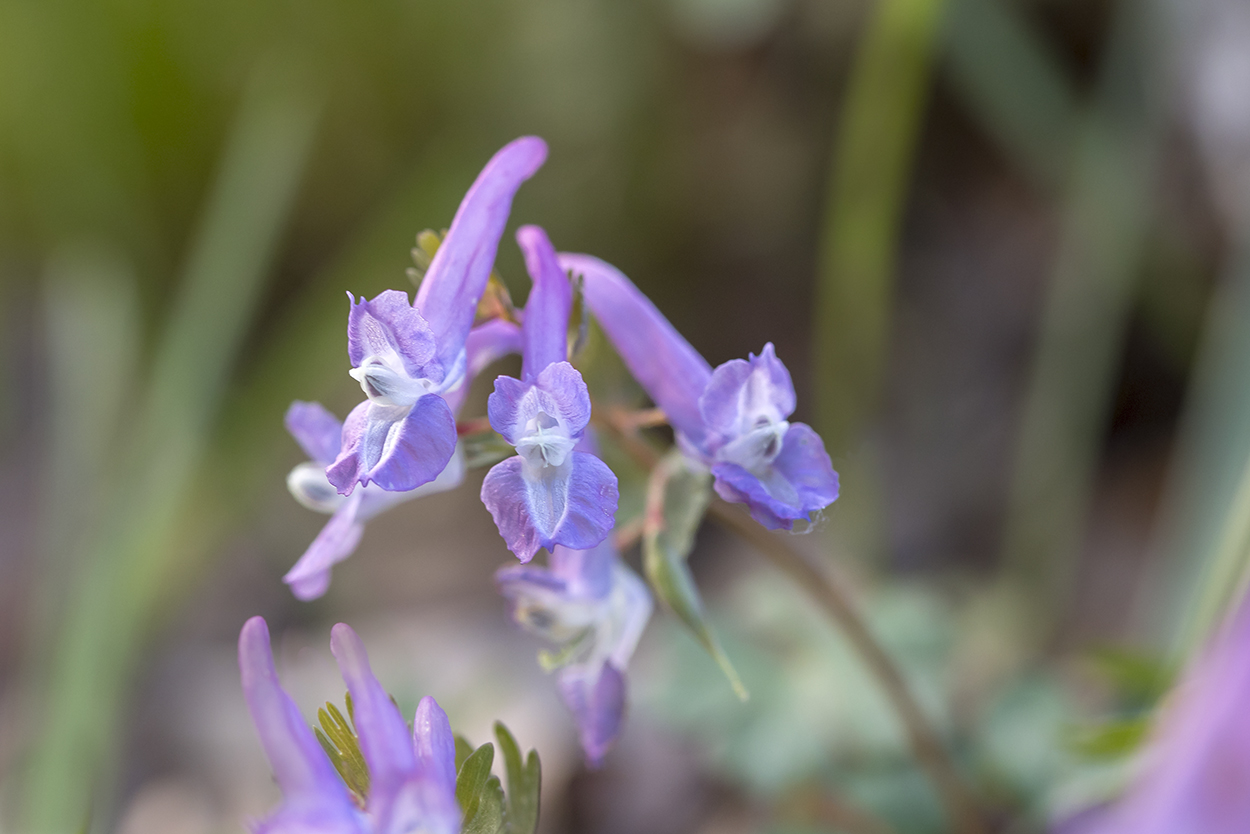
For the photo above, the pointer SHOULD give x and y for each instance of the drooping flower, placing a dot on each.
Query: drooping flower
(734, 419)
(319, 433)
(411, 777)
(549, 493)
(409, 358)
(594, 609)
(1196, 771)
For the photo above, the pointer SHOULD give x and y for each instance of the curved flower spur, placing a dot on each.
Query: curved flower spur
(733, 419)
(548, 493)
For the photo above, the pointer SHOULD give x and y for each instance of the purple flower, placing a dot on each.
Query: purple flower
(549, 493)
(412, 778)
(409, 358)
(320, 434)
(1196, 774)
(594, 608)
(733, 419)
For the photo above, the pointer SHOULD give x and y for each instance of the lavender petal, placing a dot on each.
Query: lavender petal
(671, 371)
(547, 309)
(388, 325)
(318, 432)
(458, 274)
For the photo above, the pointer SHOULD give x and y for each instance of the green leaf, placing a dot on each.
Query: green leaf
(677, 498)
(1139, 679)
(1111, 740)
(479, 793)
(463, 751)
(524, 783)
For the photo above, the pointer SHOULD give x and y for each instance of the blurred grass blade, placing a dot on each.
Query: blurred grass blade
(1015, 85)
(1073, 380)
(120, 581)
(1203, 537)
(871, 168)
(91, 318)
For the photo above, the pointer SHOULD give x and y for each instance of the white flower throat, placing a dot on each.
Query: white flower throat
(385, 383)
(545, 441)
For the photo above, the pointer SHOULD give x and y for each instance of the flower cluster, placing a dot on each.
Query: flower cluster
(415, 360)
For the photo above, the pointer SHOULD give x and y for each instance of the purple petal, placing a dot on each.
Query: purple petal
(318, 432)
(389, 325)
(312, 791)
(799, 482)
(548, 306)
(435, 745)
(310, 577)
(569, 394)
(1197, 774)
(458, 274)
(559, 391)
(597, 701)
(398, 449)
(587, 572)
(504, 407)
(668, 368)
(637, 611)
(573, 505)
(487, 344)
(742, 390)
(384, 739)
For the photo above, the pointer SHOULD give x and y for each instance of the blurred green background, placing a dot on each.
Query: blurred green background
(1001, 245)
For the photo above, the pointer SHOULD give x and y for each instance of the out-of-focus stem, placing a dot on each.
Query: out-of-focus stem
(925, 742)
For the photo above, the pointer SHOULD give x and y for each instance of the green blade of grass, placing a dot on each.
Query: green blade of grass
(130, 558)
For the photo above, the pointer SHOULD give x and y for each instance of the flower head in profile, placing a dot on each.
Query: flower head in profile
(411, 777)
(549, 493)
(734, 419)
(409, 358)
(594, 609)
(320, 433)
(1196, 770)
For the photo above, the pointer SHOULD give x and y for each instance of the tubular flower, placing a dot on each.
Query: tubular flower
(734, 419)
(409, 358)
(549, 493)
(594, 608)
(411, 777)
(319, 433)
(1196, 775)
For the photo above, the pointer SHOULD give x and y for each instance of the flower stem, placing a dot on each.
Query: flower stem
(925, 742)
(923, 738)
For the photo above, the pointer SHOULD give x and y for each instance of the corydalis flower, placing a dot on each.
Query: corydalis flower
(1196, 776)
(412, 777)
(549, 493)
(733, 419)
(319, 433)
(594, 608)
(407, 358)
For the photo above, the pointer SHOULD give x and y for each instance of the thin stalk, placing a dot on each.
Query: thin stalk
(924, 740)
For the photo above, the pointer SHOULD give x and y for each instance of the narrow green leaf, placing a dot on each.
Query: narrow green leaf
(1111, 740)
(479, 794)
(524, 783)
(488, 818)
(463, 751)
(677, 498)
